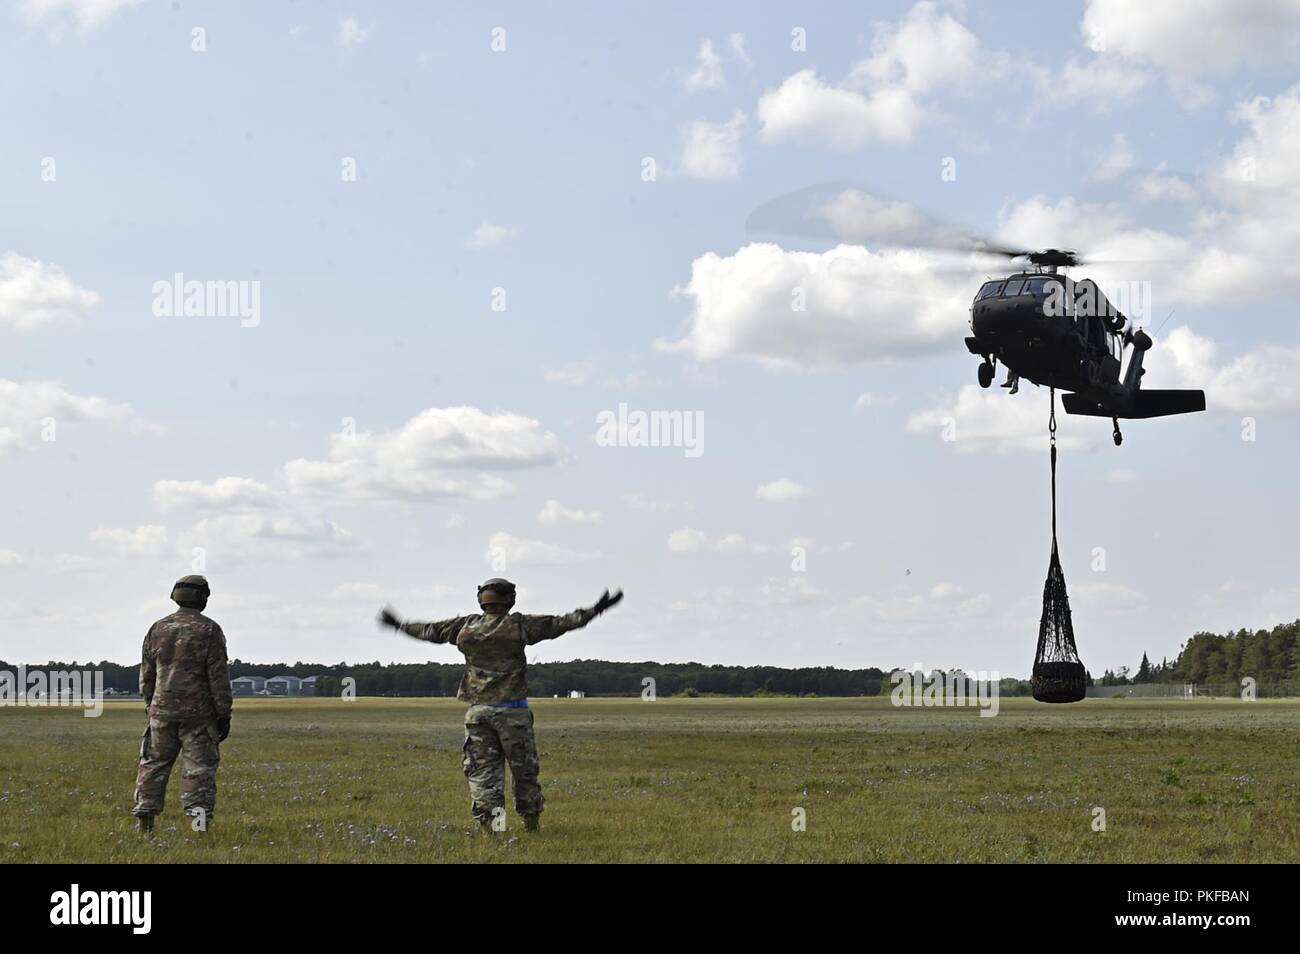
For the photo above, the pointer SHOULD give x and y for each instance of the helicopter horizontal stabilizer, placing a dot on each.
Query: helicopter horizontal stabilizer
(1155, 403)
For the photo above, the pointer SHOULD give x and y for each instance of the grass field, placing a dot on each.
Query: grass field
(684, 780)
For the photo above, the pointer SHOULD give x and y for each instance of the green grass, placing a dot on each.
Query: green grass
(684, 780)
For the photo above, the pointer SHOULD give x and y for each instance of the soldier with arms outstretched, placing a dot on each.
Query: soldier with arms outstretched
(498, 723)
(185, 681)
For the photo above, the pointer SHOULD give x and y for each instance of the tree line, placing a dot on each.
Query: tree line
(1270, 657)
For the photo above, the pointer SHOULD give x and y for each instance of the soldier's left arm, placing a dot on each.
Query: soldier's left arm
(537, 628)
(219, 673)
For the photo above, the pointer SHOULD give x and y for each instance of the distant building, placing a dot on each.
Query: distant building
(308, 686)
(577, 694)
(247, 685)
(284, 686)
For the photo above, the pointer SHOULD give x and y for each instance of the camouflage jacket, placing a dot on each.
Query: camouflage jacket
(183, 674)
(494, 649)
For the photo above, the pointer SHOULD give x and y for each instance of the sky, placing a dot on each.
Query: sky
(442, 251)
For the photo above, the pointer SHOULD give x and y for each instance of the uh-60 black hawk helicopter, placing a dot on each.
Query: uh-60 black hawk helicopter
(1040, 324)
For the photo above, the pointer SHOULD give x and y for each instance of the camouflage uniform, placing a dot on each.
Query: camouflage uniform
(495, 733)
(186, 683)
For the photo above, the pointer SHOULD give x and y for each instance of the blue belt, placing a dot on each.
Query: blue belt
(512, 704)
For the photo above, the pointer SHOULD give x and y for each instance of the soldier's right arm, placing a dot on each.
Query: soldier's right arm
(439, 631)
(148, 670)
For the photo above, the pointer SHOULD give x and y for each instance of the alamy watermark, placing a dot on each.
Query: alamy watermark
(938, 689)
(631, 428)
(179, 298)
(82, 688)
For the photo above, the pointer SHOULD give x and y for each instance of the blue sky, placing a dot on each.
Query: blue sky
(382, 434)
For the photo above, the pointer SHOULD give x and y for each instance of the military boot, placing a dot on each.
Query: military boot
(532, 823)
(144, 823)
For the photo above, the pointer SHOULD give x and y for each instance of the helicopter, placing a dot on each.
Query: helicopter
(1040, 324)
(1064, 334)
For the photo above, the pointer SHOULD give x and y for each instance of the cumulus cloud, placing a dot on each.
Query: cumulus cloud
(1196, 36)
(413, 461)
(1264, 380)
(34, 293)
(781, 491)
(144, 541)
(791, 309)
(488, 235)
(1115, 161)
(554, 512)
(269, 537)
(690, 540)
(979, 420)
(712, 150)
(31, 410)
(351, 33)
(85, 14)
(226, 493)
(505, 548)
(707, 73)
(881, 99)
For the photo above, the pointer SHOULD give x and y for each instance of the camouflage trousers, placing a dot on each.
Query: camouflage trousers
(495, 735)
(196, 744)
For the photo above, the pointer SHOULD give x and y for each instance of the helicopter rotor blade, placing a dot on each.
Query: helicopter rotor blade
(845, 212)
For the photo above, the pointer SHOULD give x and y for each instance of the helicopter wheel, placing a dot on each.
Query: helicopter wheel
(986, 374)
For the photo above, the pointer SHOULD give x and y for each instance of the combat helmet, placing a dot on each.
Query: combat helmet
(191, 591)
(496, 590)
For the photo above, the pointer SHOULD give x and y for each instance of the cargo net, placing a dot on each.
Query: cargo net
(1058, 674)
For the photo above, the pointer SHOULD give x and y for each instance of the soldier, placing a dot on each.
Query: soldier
(498, 723)
(186, 685)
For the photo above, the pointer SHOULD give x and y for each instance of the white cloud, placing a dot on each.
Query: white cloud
(10, 560)
(412, 461)
(226, 493)
(1097, 82)
(145, 541)
(866, 400)
(576, 373)
(553, 512)
(1120, 475)
(1197, 36)
(86, 14)
(880, 100)
(794, 590)
(33, 293)
(1116, 161)
(504, 547)
(351, 33)
(29, 409)
(708, 70)
(690, 540)
(1264, 380)
(262, 537)
(781, 491)
(979, 420)
(712, 150)
(806, 110)
(859, 305)
(738, 49)
(488, 235)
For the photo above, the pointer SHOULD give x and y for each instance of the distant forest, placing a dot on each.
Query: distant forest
(1270, 657)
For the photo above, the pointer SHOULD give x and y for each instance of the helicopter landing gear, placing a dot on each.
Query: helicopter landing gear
(986, 373)
(1119, 438)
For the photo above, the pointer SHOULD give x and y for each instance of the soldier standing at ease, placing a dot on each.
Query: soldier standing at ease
(186, 685)
(498, 723)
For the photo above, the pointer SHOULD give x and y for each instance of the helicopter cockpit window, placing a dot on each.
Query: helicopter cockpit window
(988, 290)
(1035, 286)
(1013, 287)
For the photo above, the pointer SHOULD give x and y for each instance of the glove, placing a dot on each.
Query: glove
(223, 728)
(387, 617)
(606, 601)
